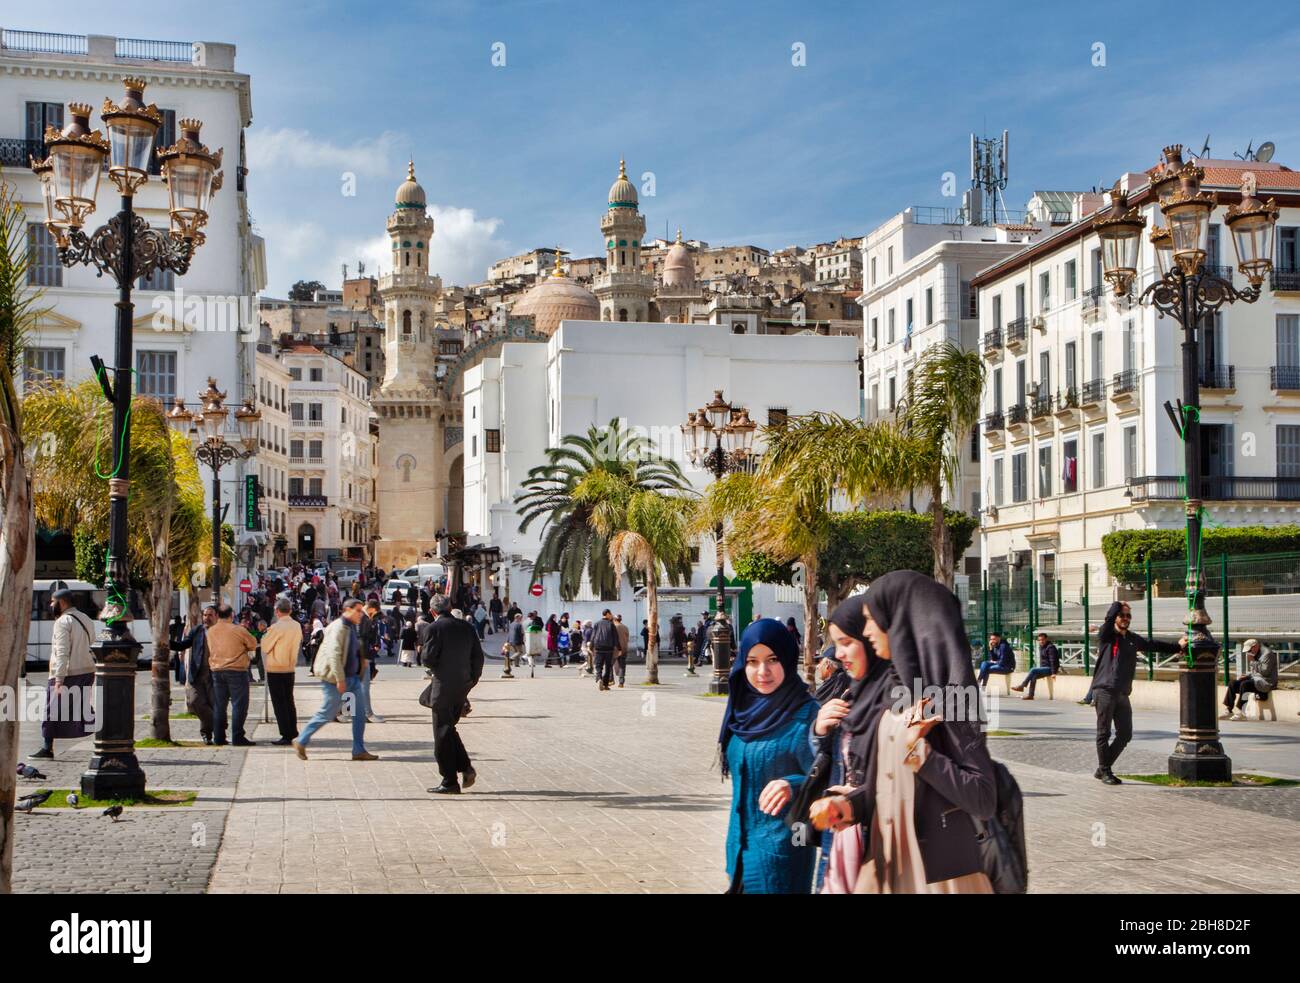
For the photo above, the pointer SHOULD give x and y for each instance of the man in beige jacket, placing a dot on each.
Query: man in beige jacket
(281, 644)
(229, 646)
(620, 657)
(69, 689)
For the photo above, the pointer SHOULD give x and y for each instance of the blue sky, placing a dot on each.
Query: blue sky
(744, 146)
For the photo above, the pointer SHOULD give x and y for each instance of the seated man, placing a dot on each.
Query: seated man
(1260, 679)
(1001, 660)
(1049, 664)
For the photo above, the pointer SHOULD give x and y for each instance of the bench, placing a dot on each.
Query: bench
(1262, 705)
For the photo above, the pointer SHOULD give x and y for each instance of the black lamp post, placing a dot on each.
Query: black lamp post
(127, 248)
(207, 430)
(719, 438)
(1187, 292)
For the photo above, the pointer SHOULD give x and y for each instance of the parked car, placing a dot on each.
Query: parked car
(392, 587)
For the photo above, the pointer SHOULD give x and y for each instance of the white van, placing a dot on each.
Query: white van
(89, 599)
(419, 574)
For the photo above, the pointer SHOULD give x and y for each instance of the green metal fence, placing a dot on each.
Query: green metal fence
(1247, 596)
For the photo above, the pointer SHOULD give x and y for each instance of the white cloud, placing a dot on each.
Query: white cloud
(289, 149)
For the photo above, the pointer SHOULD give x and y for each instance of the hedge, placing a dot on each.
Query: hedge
(1126, 551)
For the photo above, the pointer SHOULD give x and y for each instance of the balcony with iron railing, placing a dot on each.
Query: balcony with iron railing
(992, 340)
(1017, 331)
(1284, 378)
(1017, 415)
(1040, 404)
(308, 502)
(1214, 269)
(1094, 300)
(994, 422)
(1093, 392)
(1123, 384)
(1219, 377)
(1285, 279)
(1217, 488)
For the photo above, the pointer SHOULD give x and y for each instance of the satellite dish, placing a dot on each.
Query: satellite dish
(1265, 152)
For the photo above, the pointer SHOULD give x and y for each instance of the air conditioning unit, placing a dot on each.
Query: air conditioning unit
(1038, 323)
(1019, 559)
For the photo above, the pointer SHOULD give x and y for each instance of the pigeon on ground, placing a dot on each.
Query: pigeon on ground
(113, 812)
(73, 800)
(27, 771)
(27, 803)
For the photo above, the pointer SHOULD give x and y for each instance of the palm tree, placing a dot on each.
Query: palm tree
(18, 315)
(648, 534)
(811, 466)
(942, 405)
(571, 543)
(168, 526)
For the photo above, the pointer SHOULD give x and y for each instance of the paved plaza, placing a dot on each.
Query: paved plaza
(583, 791)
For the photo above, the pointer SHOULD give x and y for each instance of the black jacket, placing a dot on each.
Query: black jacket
(604, 637)
(1049, 657)
(1117, 654)
(453, 653)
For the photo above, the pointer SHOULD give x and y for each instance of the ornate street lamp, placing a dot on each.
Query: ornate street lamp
(1185, 291)
(215, 445)
(128, 249)
(719, 438)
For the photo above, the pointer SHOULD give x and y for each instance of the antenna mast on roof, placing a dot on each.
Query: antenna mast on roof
(988, 168)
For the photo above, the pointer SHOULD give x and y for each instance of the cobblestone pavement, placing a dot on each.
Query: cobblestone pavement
(581, 791)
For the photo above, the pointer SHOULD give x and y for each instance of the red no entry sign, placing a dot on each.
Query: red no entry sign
(246, 586)
(535, 590)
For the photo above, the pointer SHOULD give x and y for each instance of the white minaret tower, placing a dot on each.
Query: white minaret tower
(623, 290)
(409, 292)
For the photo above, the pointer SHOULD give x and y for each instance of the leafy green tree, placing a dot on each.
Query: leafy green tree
(19, 311)
(942, 405)
(165, 514)
(571, 541)
(305, 289)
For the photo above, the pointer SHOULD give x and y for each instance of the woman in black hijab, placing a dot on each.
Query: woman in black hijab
(917, 764)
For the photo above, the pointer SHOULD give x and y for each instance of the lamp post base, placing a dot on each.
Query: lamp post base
(1198, 756)
(114, 771)
(720, 640)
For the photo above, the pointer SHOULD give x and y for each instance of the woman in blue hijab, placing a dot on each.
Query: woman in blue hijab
(764, 747)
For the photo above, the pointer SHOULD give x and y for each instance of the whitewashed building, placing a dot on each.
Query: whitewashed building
(529, 396)
(186, 328)
(1076, 440)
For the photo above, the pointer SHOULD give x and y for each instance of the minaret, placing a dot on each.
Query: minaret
(623, 290)
(409, 292)
(411, 479)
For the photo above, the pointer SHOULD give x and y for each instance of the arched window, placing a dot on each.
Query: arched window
(622, 313)
(406, 322)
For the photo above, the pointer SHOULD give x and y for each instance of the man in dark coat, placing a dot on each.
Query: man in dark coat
(1049, 664)
(604, 642)
(198, 677)
(454, 656)
(1112, 682)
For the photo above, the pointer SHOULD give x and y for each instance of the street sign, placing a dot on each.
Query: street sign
(246, 586)
(252, 497)
(535, 590)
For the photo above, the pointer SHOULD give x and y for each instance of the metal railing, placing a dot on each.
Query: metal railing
(1068, 400)
(1016, 415)
(994, 421)
(1214, 269)
(17, 152)
(308, 501)
(44, 42)
(1219, 377)
(139, 49)
(1040, 406)
(1124, 382)
(992, 339)
(1094, 391)
(1284, 377)
(1286, 279)
(1218, 488)
(1017, 330)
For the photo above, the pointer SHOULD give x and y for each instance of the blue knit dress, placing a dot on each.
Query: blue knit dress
(770, 862)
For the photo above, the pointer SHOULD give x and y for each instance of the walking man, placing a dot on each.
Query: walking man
(454, 657)
(1117, 650)
(70, 687)
(198, 674)
(229, 646)
(338, 666)
(604, 642)
(280, 647)
(515, 639)
(620, 660)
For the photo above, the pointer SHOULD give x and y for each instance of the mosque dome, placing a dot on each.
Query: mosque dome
(409, 192)
(621, 193)
(556, 299)
(679, 268)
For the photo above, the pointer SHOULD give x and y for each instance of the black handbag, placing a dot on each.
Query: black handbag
(426, 698)
(812, 789)
(1001, 838)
